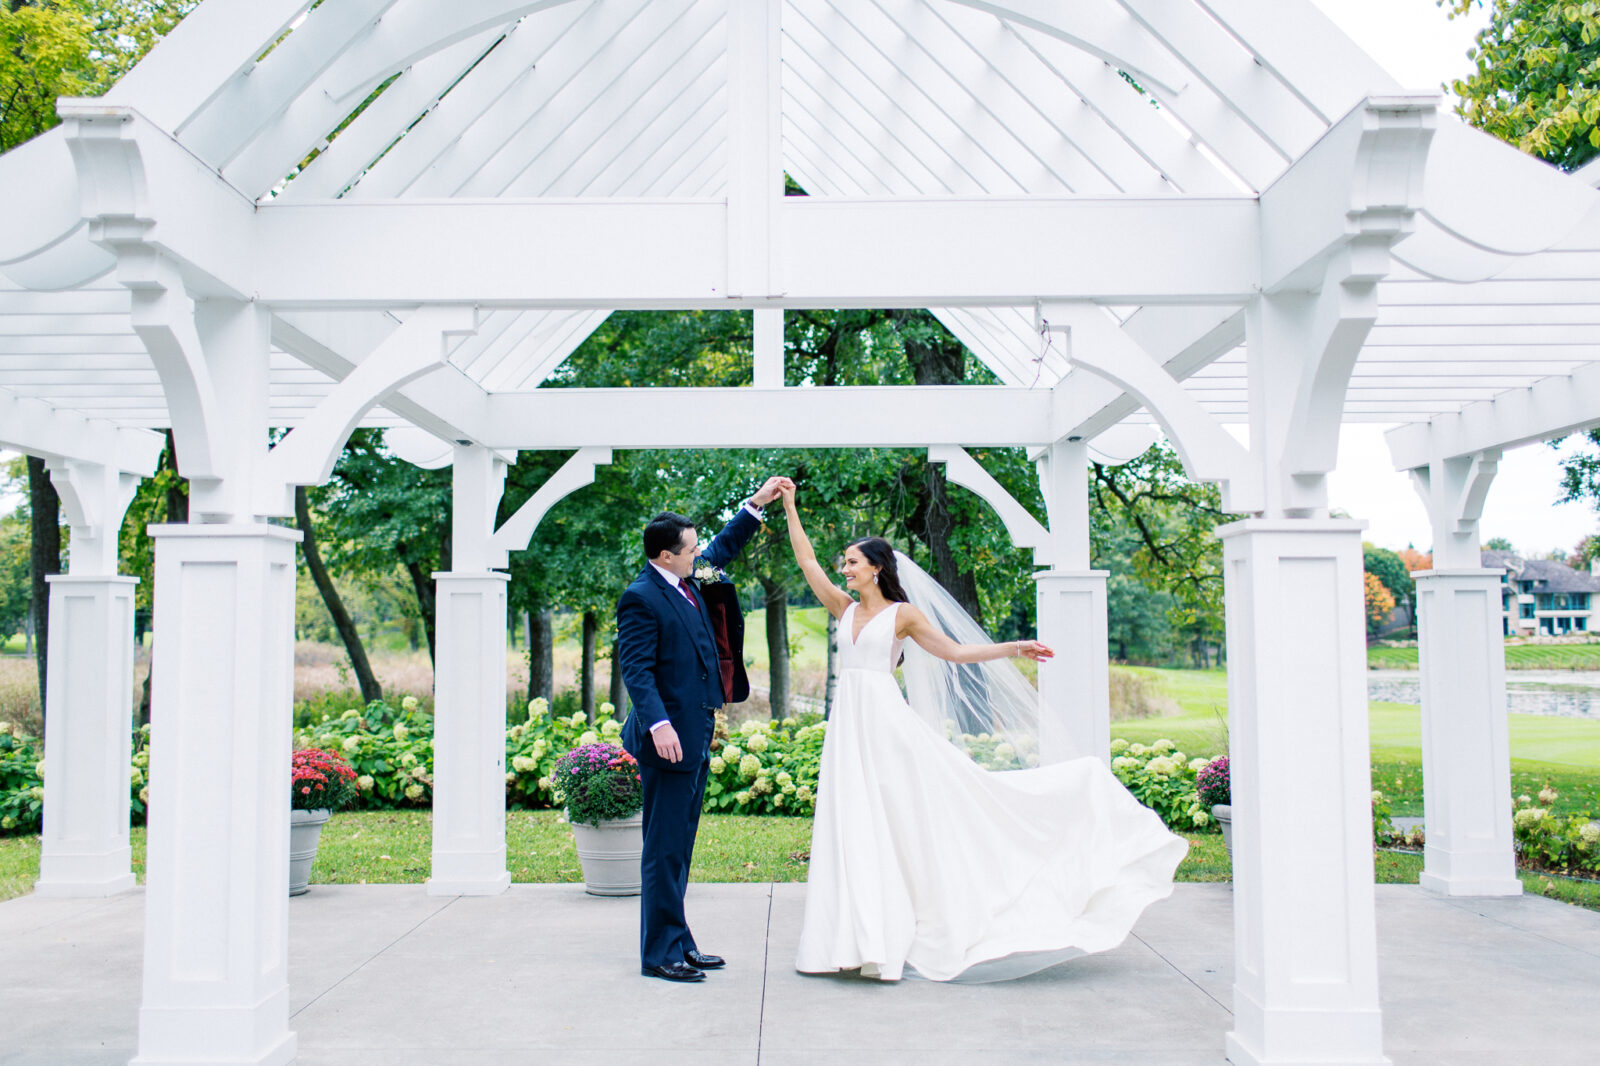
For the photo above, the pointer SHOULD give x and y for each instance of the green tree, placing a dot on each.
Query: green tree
(1498, 544)
(1536, 82)
(53, 48)
(1390, 569)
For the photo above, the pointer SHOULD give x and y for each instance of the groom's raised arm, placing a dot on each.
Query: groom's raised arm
(637, 643)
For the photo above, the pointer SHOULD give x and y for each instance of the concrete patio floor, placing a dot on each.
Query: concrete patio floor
(546, 974)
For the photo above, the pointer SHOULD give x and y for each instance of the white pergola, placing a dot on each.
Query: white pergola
(1270, 233)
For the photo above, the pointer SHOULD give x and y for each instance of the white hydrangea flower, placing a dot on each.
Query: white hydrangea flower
(1163, 746)
(1548, 795)
(1590, 833)
(401, 732)
(1122, 762)
(351, 713)
(1377, 797)
(9, 822)
(1197, 764)
(757, 743)
(38, 769)
(749, 767)
(588, 736)
(5, 727)
(1004, 752)
(365, 782)
(611, 728)
(1118, 746)
(136, 778)
(742, 798)
(607, 708)
(1524, 799)
(732, 753)
(1138, 749)
(717, 764)
(749, 727)
(522, 764)
(1202, 818)
(803, 793)
(144, 797)
(785, 777)
(351, 743)
(544, 782)
(413, 792)
(409, 703)
(408, 759)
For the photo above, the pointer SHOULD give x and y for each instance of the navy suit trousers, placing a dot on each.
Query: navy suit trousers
(671, 817)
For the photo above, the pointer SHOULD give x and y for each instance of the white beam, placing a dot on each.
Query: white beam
(1550, 408)
(1026, 531)
(1100, 28)
(862, 253)
(36, 428)
(515, 532)
(891, 416)
(755, 167)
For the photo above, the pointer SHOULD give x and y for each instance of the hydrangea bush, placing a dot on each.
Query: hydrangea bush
(766, 767)
(1163, 779)
(21, 782)
(390, 749)
(1554, 844)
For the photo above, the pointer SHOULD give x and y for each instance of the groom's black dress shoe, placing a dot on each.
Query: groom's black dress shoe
(703, 962)
(673, 971)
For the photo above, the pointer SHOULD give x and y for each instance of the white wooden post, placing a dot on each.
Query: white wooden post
(1466, 747)
(216, 906)
(1071, 614)
(84, 849)
(1466, 760)
(1306, 981)
(469, 720)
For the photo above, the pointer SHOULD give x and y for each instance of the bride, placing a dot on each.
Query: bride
(948, 842)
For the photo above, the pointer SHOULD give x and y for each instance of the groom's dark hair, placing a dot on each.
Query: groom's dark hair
(665, 533)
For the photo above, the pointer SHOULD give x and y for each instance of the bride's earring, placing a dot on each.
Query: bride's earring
(874, 577)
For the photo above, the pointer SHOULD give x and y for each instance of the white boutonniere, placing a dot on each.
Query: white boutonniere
(704, 571)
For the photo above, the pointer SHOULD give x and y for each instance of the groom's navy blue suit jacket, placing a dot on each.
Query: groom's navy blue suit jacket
(668, 652)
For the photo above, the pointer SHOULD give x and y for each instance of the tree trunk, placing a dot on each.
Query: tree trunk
(370, 689)
(591, 630)
(541, 656)
(27, 631)
(44, 557)
(831, 685)
(777, 601)
(937, 358)
(619, 691)
(177, 514)
(422, 585)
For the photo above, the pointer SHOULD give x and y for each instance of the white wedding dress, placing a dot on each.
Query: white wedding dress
(923, 863)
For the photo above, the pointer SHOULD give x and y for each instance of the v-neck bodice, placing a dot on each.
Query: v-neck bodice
(876, 647)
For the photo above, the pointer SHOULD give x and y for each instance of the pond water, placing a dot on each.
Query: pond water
(1572, 693)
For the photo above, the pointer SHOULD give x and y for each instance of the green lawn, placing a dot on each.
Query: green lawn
(1518, 657)
(1562, 752)
(808, 637)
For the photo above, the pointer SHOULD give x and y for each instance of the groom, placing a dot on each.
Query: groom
(681, 652)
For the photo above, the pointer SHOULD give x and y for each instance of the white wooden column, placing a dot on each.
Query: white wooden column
(84, 849)
(1466, 750)
(469, 718)
(1071, 614)
(216, 906)
(89, 693)
(1466, 747)
(1306, 979)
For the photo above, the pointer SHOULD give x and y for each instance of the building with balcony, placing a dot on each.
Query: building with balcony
(1543, 597)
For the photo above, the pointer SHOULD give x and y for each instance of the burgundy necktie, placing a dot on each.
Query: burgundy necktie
(689, 594)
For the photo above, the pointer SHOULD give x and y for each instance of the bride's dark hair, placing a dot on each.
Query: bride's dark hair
(880, 553)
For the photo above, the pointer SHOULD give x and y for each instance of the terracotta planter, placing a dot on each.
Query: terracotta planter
(609, 852)
(1223, 813)
(305, 829)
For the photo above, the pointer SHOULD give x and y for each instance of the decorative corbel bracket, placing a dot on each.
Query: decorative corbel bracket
(1454, 490)
(1207, 451)
(306, 456)
(95, 497)
(1026, 531)
(516, 531)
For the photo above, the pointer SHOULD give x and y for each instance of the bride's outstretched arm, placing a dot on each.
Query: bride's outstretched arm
(914, 624)
(828, 594)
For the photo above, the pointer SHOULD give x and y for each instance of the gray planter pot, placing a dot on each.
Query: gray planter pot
(1223, 813)
(610, 854)
(305, 829)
